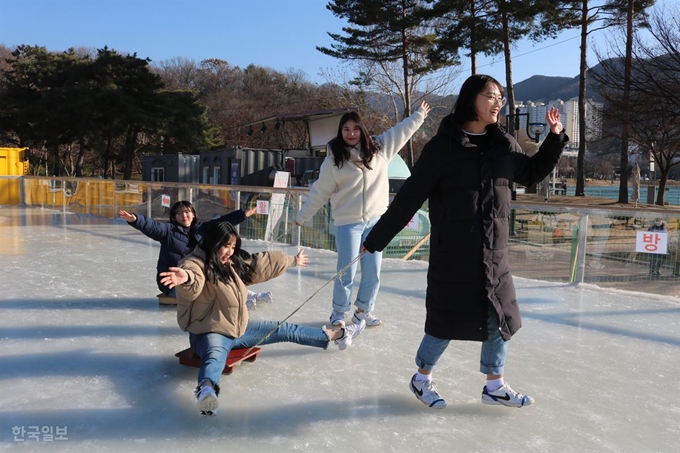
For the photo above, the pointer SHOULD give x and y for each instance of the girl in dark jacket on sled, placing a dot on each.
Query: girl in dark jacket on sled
(179, 237)
(466, 171)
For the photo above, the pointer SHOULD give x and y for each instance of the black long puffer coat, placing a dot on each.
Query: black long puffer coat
(469, 192)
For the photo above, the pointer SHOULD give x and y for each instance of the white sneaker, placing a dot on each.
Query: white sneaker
(505, 396)
(426, 392)
(206, 399)
(338, 318)
(264, 298)
(371, 321)
(352, 331)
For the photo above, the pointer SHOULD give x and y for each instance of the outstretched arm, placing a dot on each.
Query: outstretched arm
(531, 170)
(395, 138)
(320, 193)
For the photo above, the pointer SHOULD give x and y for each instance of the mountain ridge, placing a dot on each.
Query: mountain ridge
(540, 88)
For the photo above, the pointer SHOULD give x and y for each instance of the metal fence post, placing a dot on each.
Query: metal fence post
(149, 197)
(237, 205)
(22, 190)
(295, 239)
(581, 249)
(115, 201)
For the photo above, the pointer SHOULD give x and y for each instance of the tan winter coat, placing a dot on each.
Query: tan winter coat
(204, 307)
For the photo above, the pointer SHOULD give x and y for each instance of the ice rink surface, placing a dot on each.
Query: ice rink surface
(88, 353)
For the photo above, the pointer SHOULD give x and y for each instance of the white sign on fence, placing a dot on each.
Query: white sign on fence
(281, 179)
(652, 242)
(165, 201)
(262, 207)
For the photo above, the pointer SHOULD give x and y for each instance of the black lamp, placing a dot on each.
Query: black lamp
(536, 128)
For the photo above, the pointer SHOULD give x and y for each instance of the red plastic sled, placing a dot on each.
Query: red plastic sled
(189, 358)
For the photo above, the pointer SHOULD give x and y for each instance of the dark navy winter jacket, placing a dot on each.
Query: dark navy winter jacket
(177, 241)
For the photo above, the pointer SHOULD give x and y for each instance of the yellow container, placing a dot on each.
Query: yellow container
(13, 162)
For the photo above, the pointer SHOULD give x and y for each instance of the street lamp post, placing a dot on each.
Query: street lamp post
(651, 183)
(534, 134)
(537, 129)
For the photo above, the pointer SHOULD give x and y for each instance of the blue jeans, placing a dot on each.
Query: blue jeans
(213, 348)
(349, 239)
(492, 358)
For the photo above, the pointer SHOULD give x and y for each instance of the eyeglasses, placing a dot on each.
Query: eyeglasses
(494, 99)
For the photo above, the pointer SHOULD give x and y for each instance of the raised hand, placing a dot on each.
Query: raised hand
(425, 106)
(552, 116)
(174, 277)
(127, 216)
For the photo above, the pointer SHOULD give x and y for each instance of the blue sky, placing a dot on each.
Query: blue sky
(280, 34)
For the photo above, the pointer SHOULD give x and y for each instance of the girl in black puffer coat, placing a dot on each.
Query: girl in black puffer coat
(466, 172)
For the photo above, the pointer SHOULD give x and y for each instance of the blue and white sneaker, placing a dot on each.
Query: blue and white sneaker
(264, 298)
(206, 399)
(505, 396)
(371, 320)
(426, 392)
(258, 298)
(351, 332)
(338, 318)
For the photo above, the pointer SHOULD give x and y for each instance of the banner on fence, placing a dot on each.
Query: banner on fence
(652, 242)
(276, 208)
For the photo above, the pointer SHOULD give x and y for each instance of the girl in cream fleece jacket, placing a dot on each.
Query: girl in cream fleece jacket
(354, 177)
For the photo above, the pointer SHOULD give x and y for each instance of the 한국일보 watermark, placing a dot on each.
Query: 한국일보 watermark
(39, 433)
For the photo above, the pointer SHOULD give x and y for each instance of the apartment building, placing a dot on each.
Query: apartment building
(533, 114)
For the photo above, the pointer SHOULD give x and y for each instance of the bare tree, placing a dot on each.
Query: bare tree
(647, 105)
(178, 73)
(397, 31)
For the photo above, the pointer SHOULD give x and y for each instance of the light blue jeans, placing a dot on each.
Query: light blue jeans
(492, 358)
(213, 348)
(349, 239)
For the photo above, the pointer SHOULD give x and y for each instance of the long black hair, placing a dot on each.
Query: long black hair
(339, 147)
(183, 204)
(218, 234)
(464, 108)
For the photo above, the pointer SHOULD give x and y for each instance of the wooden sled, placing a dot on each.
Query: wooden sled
(166, 300)
(189, 358)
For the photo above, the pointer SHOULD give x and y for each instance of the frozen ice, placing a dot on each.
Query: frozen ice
(87, 348)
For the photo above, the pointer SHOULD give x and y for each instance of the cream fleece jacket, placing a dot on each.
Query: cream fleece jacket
(358, 194)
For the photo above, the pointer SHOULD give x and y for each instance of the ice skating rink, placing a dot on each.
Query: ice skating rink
(87, 361)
